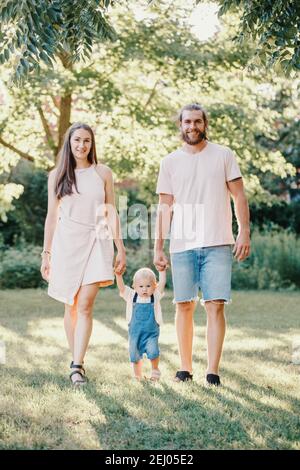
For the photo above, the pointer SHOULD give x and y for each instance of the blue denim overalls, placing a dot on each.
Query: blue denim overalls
(143, 331)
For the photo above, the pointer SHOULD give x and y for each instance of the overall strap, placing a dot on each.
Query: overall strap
(136, 295)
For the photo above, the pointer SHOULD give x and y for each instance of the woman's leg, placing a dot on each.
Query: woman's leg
(70, 319)
(83, 328)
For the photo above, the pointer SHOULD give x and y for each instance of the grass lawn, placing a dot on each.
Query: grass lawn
(258, 406)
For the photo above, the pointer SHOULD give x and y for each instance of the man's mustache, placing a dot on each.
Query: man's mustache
(201, 134)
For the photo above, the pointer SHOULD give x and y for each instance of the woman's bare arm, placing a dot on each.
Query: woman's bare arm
(113, 218)
(120, 283)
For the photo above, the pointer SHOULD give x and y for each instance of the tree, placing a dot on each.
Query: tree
(275, 25)
(130, 91)
(35, 31)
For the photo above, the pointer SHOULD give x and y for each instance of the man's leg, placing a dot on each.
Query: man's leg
(186, 286)
(215, 333)
(215, 281)
(184, 322)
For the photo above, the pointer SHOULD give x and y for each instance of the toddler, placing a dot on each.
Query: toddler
(144, 317)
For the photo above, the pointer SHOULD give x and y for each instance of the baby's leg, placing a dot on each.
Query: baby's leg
(137, 369)
(155, 374)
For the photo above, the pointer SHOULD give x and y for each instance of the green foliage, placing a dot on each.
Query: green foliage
(275, 27)
(38, 31)
(274, 263)
(131, 90)
(20, 268)
(26, 221)
(279, 214)
(139, 258)
(8, 193)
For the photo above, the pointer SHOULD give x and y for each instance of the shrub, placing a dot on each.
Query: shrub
(143, 257)
(20, 267)
(274, 263)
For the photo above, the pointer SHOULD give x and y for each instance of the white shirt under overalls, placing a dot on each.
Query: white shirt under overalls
(128, 295)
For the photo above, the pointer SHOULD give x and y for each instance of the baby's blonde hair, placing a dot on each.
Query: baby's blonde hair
(144, 272)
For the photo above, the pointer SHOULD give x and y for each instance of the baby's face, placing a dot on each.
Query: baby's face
(144, 286)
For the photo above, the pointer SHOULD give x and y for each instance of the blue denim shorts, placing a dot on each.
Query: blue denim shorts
(208, 269)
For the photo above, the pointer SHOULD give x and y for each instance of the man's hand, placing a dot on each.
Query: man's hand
(160, 261)
(120, 262)
(241, 248)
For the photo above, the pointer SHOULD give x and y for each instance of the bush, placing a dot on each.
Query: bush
(26, 221)
(143, 257)
(20, 268)
(274, 263)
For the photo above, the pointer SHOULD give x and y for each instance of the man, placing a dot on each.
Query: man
(194, 186)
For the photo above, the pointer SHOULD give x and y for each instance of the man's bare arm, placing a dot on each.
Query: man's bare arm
(242, 245)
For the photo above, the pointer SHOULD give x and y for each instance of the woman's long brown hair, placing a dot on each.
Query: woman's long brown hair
(65, 175)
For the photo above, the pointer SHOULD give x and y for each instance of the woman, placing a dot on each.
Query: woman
(80, 227)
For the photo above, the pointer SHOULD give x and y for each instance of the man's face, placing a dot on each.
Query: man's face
(192, 127)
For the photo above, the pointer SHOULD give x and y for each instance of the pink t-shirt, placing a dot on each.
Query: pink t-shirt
(201, 211)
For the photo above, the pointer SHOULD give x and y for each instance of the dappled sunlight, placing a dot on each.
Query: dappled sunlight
(50, 411)
(247, 343)
(278, 376)
(257, 407)
(6, 334)
(274, 402)
(50, 329)
(104, 335)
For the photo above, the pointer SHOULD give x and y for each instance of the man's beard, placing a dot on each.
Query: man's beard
(196, 140)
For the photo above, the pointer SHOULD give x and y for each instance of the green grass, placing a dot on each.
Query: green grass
(258, 406)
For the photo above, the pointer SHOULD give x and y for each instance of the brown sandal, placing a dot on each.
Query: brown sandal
(77, 382)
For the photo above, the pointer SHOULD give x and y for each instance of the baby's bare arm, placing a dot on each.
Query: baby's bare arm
(162, 280)
(120, 283)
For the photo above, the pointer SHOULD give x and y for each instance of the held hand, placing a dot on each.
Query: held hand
(241, 248)
(160, 261)
(120, 263)
(45, 269)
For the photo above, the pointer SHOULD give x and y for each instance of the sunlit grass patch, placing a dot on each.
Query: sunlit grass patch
(257, 407)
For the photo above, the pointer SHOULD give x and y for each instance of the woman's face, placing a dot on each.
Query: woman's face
(81, 143)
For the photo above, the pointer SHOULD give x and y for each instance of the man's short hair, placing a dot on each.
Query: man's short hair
(193, 107)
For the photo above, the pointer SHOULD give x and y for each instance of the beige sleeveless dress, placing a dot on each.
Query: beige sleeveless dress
(82, 248)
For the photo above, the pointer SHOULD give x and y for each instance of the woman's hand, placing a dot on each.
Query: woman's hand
(120, 262)
(45, 268)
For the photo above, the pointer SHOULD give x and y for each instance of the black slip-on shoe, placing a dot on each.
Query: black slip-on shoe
(213, 379)
(183, 376)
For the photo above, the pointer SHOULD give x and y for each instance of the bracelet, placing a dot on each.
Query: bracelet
(47, 252)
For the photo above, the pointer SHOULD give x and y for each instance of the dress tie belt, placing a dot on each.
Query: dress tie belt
(102, 229)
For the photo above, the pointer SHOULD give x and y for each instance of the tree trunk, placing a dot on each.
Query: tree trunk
(64, 119)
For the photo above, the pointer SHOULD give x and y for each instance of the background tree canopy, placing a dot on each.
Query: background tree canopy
(273, 25)
(128, 82)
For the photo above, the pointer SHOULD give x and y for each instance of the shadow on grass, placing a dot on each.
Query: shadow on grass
(183, 423)
(146, 416)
